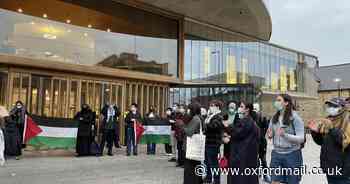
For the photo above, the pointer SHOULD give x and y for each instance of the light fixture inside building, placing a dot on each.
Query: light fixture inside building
(68, 21)
(20, 10)
(45, 15)
(90, 26)
(47, 53)
(32, 22)
(108, 30)
(49, 36)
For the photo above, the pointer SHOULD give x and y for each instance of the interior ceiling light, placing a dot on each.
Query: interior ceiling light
(20, 10)
(47, 53)
(85, 34)
(49, 36)
(108, 30)
(32, 22)
(68, 21)
(45, 15)
(90, 26)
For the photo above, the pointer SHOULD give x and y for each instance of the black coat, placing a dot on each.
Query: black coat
(332, 155)
(13, 142)
(214, 130)
(104, 112)
(244, 149)
(86, 121)
(130, 116)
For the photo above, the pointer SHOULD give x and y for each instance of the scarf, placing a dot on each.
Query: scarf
(110, 114)
(207, 121)
(342, 122)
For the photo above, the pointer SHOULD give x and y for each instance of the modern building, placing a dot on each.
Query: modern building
(334, 82)
(57, 54)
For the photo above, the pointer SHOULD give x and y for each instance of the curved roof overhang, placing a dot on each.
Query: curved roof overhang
(249, 17)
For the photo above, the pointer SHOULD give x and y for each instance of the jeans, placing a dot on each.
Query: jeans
(151, 148)
(211, 161)
(180, 153)
(337, 180)
(292, 160)
(131, 144)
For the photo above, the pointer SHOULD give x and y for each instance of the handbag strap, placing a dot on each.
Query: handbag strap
(200, 127)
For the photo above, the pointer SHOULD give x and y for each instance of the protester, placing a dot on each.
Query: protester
(172, 121)
(244, 146)
(132, 117)
(179, 134)
(232, 112)
(151, 116)
(229, 119)
(263, 125)
(333, 135)
(191, 128)
(110, 116)
(286, 129)
(214, 131)
(117, 129)
(18, 114)
(168, 118)
(3, 113)
(85, 130)
(204, 113)
(13, 142)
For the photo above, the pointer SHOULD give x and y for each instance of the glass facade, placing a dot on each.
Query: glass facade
(41, 38)
(203, 94)
(220, 57)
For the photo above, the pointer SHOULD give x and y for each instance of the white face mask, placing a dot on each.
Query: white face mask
(241, 113)
(203, 112)
(151, 115)
(213, 109)
(174, 108)
(333, 111)
(133, 110)
(182, 110)
(168, 113)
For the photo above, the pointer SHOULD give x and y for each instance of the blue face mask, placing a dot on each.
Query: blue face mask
(278, 106)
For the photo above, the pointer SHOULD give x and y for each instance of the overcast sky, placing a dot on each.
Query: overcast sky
(318, 27)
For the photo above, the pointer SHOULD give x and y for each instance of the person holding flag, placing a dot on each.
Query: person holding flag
(18, 114)
(132, 122)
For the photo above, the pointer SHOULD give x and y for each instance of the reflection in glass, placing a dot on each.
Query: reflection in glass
(3, 87)
(55, 41)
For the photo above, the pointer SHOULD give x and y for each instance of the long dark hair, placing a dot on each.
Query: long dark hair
(288, 112)
(250, 108)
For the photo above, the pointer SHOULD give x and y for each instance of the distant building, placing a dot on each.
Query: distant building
(334, 81)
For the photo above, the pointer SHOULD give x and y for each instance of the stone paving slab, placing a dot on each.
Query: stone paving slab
(119, 169)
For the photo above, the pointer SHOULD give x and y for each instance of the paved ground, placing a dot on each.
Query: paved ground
(119, 169)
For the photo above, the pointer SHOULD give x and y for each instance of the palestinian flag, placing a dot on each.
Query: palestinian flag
(156, 131)
(50, 133)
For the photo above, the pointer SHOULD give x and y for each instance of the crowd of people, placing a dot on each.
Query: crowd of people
(234, 131)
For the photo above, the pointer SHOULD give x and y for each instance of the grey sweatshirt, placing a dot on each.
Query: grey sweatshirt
(292, 139)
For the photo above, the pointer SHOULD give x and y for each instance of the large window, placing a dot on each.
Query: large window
(123, 42)
(219, 57)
